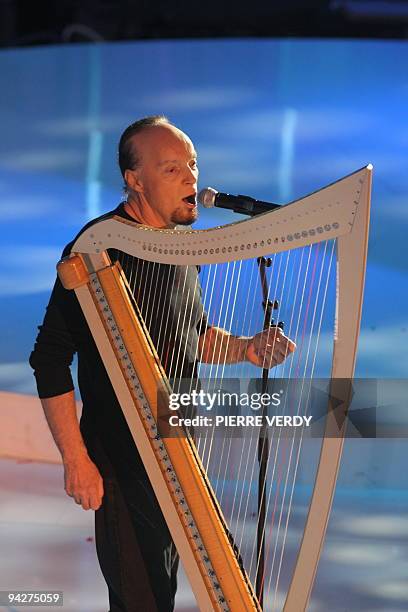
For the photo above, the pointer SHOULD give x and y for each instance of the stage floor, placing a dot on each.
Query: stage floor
(47, 542)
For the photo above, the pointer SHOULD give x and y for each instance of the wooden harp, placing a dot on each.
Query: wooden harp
(338, 216)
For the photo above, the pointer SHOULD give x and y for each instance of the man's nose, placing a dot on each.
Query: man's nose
(191, 175)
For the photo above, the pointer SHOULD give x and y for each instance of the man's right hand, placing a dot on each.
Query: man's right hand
(83, 482)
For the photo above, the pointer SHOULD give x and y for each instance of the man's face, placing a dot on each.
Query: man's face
(166, 180)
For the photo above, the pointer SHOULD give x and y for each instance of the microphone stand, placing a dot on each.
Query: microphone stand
(263, 441)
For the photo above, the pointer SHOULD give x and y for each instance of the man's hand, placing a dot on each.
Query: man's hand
(83, 482)
(269, 348)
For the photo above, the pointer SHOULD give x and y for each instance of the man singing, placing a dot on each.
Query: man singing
(102, 468)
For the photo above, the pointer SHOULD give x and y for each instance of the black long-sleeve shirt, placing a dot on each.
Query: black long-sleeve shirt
(169, 298)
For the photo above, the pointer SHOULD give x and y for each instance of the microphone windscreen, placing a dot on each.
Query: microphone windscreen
(206, 197)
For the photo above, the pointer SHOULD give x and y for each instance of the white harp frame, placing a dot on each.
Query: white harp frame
(340, 210)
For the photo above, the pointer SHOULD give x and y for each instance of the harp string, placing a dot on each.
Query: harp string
(236, 496)
(285, 442)
(226, 477)
(146, 280)
(252, 270)
(207, 292)
(239, 366)
(135, 265)
(288, 472)
(210, 291)
(253, 437)
(162, 330)
(284, 448)
(179, 335)
(225, 313)
(152, 299)
(215, 362)
(129, 265)
(214, 293)
(206, 444)
(283, 295)
(166, 274)
(322, 310)
(229, 325)
(233, 282)
(222, 315)
(178, 287)
(141, 276)
(151, 269)
(231, 479)
(174, 295)
(188, 326)
(282, 299)
(218, 360)
(233, 486)
(328, 277)
(226, 440)
(274, 291)
(290, 334)
(218, 379)
(172, 289)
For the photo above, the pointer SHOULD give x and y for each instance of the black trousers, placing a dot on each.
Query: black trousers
(136, 553)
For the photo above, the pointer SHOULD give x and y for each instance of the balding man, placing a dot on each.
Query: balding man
(102, 467)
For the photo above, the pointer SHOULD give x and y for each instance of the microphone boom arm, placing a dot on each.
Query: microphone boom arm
(241, 204)
(248, 206)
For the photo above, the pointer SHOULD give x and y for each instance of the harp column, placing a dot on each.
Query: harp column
(351, 267)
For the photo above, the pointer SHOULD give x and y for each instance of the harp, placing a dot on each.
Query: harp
(335, 220)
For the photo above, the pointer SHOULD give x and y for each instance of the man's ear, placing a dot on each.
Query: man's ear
(133, 180)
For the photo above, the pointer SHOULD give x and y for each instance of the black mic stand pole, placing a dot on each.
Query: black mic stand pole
(263, 441)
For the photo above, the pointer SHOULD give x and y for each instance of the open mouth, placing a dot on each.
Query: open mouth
(191, 199)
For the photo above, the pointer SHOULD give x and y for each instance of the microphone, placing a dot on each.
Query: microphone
(243, 204)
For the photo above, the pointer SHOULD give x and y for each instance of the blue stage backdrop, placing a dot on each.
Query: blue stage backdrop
(273, 119)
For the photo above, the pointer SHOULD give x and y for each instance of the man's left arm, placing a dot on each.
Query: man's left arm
(266, 349)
